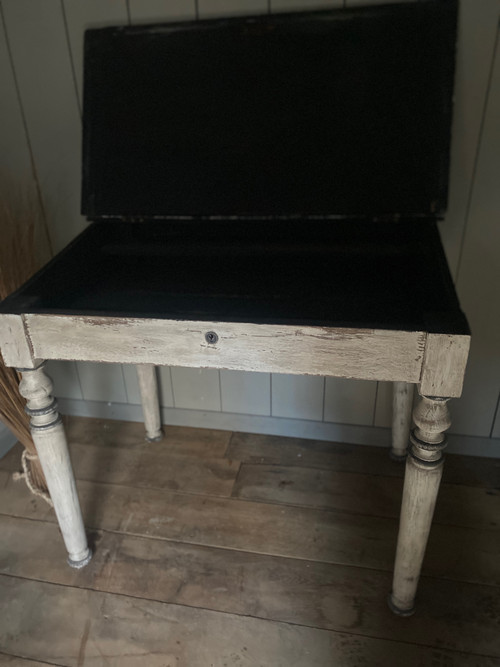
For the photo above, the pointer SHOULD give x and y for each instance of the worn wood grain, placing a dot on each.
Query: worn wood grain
(14, 661)
(15, 346)
(360, 493)
(105, 629)
(303, 533)
(278, 450)
(148, 465)
(357, 353)
(444, 365)
(280, 589)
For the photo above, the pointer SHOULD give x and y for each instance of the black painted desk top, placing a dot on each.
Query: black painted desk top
(389, 276)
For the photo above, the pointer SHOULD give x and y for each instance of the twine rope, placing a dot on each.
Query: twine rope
(28, 477)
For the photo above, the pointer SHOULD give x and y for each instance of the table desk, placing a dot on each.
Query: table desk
(320, 300)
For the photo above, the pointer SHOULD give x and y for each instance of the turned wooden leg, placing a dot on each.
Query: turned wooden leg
(50, 441)
(148, 386)
(424, 467)
(402, 401)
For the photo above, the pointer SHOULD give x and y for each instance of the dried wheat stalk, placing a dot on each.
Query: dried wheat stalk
(23, 244)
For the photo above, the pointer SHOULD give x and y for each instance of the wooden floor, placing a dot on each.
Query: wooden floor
(218, 549)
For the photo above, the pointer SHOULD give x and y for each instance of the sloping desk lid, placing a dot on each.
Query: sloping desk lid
(340, 113)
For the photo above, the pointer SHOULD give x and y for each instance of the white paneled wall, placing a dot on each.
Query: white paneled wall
(41, 47)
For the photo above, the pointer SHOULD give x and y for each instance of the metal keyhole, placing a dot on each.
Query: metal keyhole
(211, 337)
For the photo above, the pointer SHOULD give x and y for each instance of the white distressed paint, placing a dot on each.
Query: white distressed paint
(356, 353)
(424, 469)
(49, 437)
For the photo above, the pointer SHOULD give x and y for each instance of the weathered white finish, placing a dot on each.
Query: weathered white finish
(402, 402)
(444, 365)
(15, 346)
(424, 468)
(50, 441)
(357, 353)
(148, 385)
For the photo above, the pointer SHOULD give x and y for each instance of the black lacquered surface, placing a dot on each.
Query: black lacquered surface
(342, 112)
(391, 276)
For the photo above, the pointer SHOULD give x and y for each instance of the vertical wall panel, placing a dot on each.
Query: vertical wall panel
(152, 11)
(349, 401)
(246, 393)
(477, 29)
(357, 3)
(65, 377)
(383, 408)
(164, 385)
(196, 388)
(14, 153)
(39, 47)
(297, 397)
(496, 426)
(292, 5)
(479, 279)
(89, 14)
(102, 382)
(210, 8)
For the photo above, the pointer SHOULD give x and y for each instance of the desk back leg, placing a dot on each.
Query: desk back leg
(148, 385)
(402, 402)
(50, 441)
(424, 468)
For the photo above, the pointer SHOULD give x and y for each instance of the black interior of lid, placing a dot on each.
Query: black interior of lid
(343, 112)
(325, 273)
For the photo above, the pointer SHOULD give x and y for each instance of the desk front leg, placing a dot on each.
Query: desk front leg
(50, 441)
(424, 468)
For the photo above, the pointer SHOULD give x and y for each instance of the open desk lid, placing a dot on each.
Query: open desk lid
(341, 113)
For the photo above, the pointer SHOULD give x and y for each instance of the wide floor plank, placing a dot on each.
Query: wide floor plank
(70, 626)
(377, 495)
(286, 451)
(456, 553)
(457, 616)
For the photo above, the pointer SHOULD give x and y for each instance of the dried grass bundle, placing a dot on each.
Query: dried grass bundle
(24, 245)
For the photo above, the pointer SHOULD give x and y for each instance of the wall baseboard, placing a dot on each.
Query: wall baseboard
(298, 428)
(7, 440)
